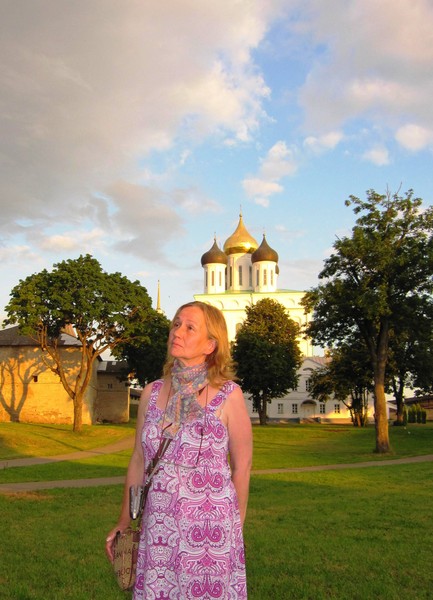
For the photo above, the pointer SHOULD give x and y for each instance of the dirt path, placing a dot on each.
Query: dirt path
(11, 488)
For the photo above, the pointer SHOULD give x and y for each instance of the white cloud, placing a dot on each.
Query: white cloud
(413, 137)
(373, 62)
(194, 202)
(82, 105)
(378, 155)
(261, 187)
(78, 241)
(327, 141)
(142, 221)
(260, 201)
(279, 162)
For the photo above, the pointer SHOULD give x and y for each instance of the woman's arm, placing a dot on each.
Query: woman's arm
(240, 446)
(135, 473)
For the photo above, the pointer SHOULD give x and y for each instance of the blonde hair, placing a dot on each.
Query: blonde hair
(219, 362)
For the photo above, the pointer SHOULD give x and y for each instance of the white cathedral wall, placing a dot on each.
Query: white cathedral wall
(214, 279)
(233, 305)
(298, 404)
(264, 277)
(238, 272)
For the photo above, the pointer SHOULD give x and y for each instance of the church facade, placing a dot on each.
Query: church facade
(237, 277)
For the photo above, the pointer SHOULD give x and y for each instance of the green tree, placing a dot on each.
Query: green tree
(410, 363)
(368, 281)
(104, 310)
(348, 378)
(267, 354)
(146, 358)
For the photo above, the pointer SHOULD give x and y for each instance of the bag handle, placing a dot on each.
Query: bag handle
(138, 494)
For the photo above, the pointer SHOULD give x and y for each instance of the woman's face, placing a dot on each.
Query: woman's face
(188, 339)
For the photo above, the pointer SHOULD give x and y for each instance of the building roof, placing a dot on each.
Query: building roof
(112, 366)
(240, 242)
(12, 337)
(264, 252)
(214, 256)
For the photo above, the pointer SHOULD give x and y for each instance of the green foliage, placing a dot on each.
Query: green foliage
(372, 279)
(416, 414)
(105, 310)
(146, 358)
(267, 353)
(348, 377)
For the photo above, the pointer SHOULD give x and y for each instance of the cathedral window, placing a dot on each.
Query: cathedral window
(257, 277)
(265, 277)
(240, 275)
(272, 277)
(250, 282)
(213, 278)
(219, 279)
(231, 277)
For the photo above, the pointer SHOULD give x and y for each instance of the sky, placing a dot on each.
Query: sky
(137, 130)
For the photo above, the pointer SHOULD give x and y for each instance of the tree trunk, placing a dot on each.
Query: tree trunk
(380, 412)
(78, 413)
(399, 399)
(381, 420)
(262, 405)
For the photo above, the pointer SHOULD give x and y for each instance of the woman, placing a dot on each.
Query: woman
(191, 544)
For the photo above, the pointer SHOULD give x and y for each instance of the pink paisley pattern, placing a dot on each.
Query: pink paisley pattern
(191, 543)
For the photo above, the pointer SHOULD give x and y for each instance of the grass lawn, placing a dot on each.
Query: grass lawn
(19, 440)
(275, 446)
(335, 535)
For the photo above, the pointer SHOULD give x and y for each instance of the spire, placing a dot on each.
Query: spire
(158, 299)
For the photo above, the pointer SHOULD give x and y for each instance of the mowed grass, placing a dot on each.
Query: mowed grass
(341, 534)
(21, 440)
(275, 447)
(352, 534)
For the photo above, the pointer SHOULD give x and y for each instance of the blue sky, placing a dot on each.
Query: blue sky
(135, 130)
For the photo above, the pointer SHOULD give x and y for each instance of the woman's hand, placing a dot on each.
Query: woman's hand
(110, 539)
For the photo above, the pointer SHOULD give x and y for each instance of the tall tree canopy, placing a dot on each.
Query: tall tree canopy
(348, 378)
(146, 358)
(267, 354)
(103, 310)
(411, 362)
(369, 281)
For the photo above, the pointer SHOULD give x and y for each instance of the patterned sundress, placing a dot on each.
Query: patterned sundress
(191, 542)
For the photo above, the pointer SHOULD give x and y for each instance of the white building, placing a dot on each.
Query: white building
(239, 276)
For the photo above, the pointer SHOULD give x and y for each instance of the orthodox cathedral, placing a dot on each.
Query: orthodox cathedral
(240, 275)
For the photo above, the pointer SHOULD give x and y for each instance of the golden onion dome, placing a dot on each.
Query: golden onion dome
(214, 256)
(264, 252)
(240, 242)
